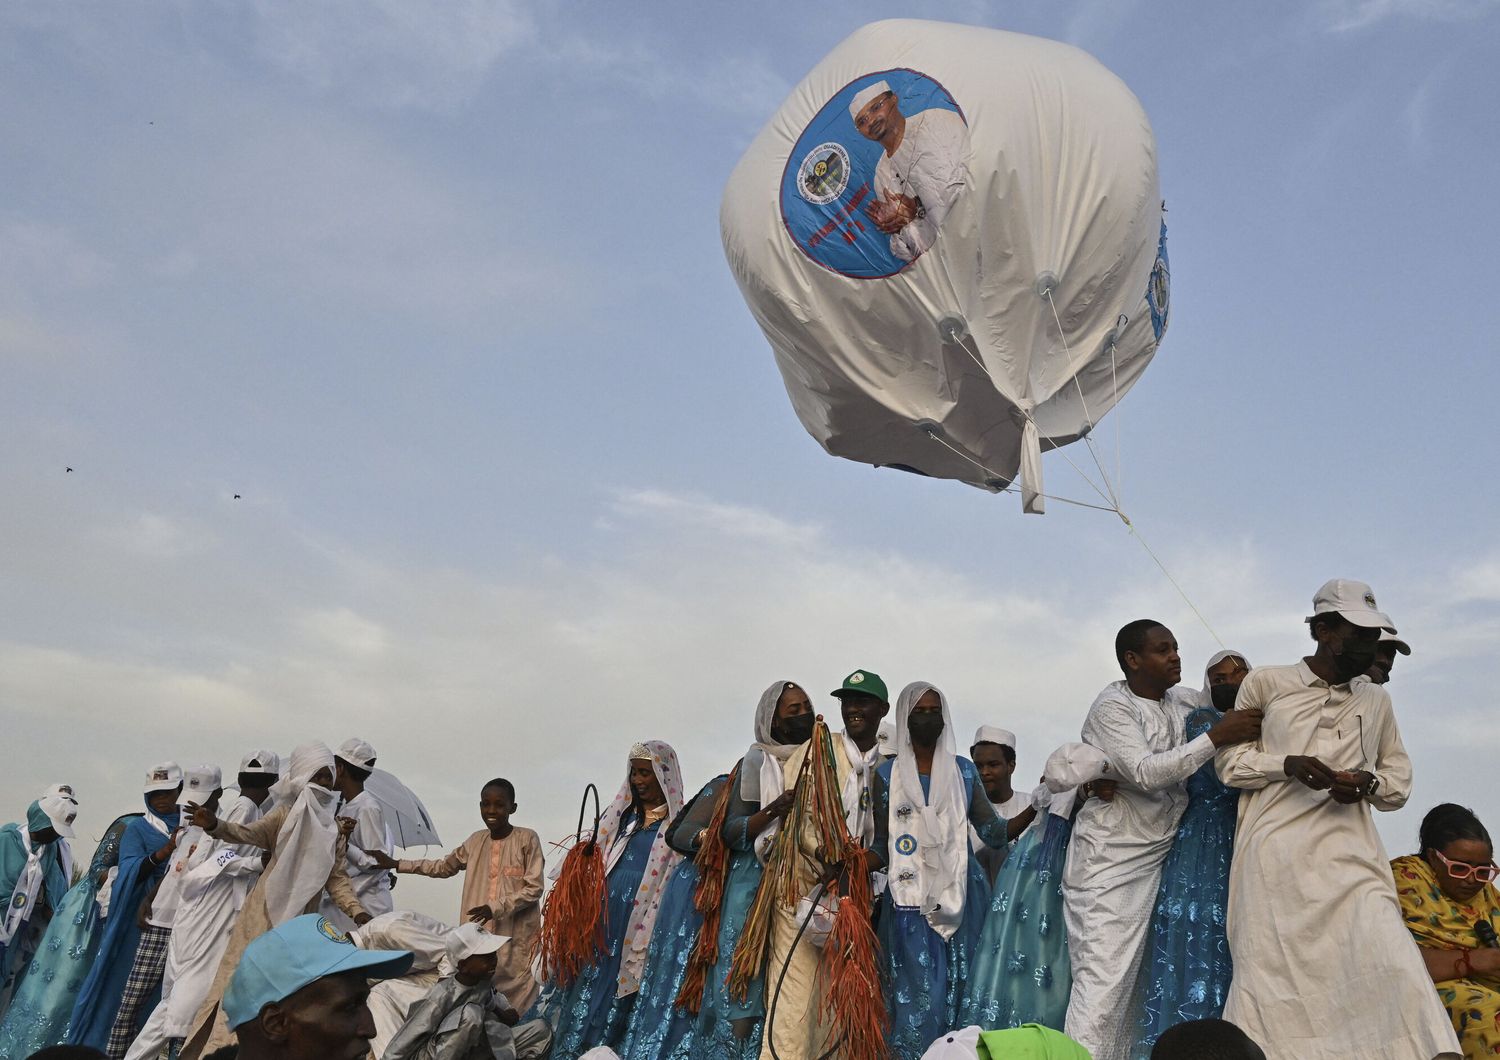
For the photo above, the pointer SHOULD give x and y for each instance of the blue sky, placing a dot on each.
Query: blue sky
(438, 289)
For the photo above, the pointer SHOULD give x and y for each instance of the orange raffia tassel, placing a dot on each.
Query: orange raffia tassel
(849, 972)
(712, 860)
(575, 920)
(778, 884)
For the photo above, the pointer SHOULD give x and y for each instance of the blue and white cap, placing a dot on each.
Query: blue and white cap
(301, 951)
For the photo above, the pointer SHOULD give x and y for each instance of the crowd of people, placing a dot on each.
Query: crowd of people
(1199, 875)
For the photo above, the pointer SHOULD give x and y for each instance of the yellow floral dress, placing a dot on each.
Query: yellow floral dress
(1438, 922)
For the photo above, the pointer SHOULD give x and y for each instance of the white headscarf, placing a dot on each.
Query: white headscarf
(659, 862)
(1206, 698)
(929, 836)
(306, 845)
(762, 773)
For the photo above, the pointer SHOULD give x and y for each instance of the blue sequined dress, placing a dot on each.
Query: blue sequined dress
(1021, 972)
(588, 1014)
(39, 1013)
(721, 1009)
(1187, 969)
(659, 1030)
(924, 973)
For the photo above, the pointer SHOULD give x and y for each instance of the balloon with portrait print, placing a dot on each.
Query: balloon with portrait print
(954, 240)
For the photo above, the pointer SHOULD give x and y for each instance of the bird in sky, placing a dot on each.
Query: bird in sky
(67, 470)
(236, 496)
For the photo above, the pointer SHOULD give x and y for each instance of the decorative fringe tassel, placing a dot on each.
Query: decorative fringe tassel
(712, 860)
(778, 883)
(853, 1002)
(575, 921)
(849, 972)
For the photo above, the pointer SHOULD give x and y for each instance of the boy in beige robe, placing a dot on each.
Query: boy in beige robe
(502, 866)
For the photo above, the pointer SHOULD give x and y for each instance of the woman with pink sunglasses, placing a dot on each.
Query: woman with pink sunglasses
(1451, 907)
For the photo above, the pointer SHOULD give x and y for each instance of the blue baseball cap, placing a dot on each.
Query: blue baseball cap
(301, 951)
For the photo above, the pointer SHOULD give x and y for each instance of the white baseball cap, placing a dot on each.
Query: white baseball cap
(199, 784)
(261, 762)
(65, 790)
(955, 1045)
(1396, 642)
(469, 939)
(164, 776)
(990, 734)
(62, 811)
(1354, 600)
(885, 737)
(863, 97)
(357, 753)
(1073, 764)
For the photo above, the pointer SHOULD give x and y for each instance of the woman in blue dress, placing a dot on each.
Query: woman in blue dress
(39, 1013)
(935, 903)
(659, 1028)
(730, 1026)
(595, 1009)
(1187, 970)
(34, 867)
(1020, 971)
(145, 849)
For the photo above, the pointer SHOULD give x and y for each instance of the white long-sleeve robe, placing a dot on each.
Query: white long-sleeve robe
(1116, 853)
(1323, 964)
(371, 883)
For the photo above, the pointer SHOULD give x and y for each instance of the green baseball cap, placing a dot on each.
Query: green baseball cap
(865, 683)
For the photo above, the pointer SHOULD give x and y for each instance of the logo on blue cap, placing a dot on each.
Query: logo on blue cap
(332, 932)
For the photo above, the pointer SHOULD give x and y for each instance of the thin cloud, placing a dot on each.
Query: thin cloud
(1345, 16)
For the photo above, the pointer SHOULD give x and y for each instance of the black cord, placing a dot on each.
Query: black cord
(812, 909)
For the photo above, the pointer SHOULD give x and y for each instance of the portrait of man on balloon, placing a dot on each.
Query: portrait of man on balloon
(921, 172)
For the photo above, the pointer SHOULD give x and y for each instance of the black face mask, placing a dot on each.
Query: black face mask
(1353, 658)
(795, 730)
(1223, 697)
(925, 728)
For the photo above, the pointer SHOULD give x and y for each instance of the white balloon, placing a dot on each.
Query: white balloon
(906, 269)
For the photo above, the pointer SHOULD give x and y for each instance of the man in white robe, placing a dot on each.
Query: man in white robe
(354, 761)
(198, 900)
(1324, 967)
(921, 173)
(1116, 852)
(258, 771)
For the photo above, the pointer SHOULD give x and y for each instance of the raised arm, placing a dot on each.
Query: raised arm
(1113, 728)
(261, 833)
(1248, 765)
(438, 868)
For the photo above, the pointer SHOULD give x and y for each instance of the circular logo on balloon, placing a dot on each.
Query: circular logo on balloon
(906, 844)
(824, 174)
(872, 177)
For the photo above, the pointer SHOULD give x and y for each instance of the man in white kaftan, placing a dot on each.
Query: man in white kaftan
(199, 899)
(921, 173)
(1118, 845)
(372, 884)
(1324, 967)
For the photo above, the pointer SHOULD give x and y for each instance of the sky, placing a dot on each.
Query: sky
(437, 290)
